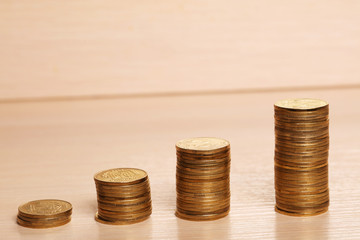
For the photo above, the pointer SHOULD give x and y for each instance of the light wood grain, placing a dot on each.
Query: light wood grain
(52, 150)
(71, 48)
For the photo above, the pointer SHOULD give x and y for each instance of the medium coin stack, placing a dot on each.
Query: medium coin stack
(202, 179)
(123, 196)
(301, 156)
(45, 213)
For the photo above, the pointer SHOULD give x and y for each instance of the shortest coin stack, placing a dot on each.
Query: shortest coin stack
(45, 213)
(123, 196)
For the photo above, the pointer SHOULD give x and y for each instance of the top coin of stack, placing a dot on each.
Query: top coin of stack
(123, 196)
(45, 213)
(202, 178)
(301, 156)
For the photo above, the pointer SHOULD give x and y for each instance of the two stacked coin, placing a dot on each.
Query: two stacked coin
(202, 179)
(45, 213)
(301, 156)
(123, 196)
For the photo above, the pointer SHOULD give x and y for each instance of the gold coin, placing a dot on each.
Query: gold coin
(203, 155)
(201, 217)
(121, 222)
(303, 213)
(124, 208)
(122, 187)
(123, 212)
(301, 103)
(202, 144)
(124, 201)
(120, 194)
(45, 208)
(43, 220)
(35, 225)
(121, 176)
(116, 215)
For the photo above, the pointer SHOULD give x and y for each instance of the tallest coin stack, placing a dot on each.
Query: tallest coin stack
(301, 156)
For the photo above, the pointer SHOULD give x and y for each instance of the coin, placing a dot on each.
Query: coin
(202, 145)
(119, 176)
(201, 217)
(301, 104)
(44, 213)
(301, 156)
(121, 222)
(41, 225)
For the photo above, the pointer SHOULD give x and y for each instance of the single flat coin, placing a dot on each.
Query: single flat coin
(301, 103)
(303, 213)
(121, 175)
(36, 225)
(208, 144)
(121, 222)
(45, 208)
(198, 217)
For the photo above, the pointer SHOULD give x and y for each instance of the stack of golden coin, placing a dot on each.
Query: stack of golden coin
(301, 156)
(123, 196)
(45, 213)
(202, 179)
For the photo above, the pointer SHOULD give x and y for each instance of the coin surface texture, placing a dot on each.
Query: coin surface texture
(301, 103)
(45, 207)
(121, 175)
(202, 143)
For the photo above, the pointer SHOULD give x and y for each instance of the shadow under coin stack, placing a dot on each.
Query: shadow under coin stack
(301, 156)
(45, 213)
(123, 196)
(202, 179)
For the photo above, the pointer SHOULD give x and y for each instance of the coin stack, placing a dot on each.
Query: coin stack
(301, 156)
(45, 213)
(123, 196)
(202, 179)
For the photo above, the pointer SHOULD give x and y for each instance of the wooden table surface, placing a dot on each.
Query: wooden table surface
(53, 149)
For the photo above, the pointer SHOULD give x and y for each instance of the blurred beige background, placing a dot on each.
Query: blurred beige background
(81, 48)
